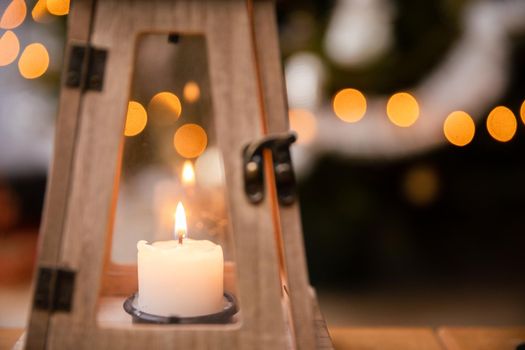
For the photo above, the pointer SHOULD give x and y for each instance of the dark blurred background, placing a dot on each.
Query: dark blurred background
(401, 226)
(430, 236)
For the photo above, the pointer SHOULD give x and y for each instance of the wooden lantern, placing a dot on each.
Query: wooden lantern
(79, 289)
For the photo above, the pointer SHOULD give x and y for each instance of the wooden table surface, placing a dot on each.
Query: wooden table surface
(8, 337)
(482, 338)
(384, 339)
(444, 338)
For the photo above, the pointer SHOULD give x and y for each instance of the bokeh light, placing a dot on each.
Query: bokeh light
(349, 105)
(136, 119)
(191, 91)
(190, 140)
(459, 128)
(40, 13)
(402, 109)
(188, 173)
(522, 112)
(58, 7)
(9, 48)
(304, 124)
(164, 108)
(14, 14)
(501, 124)
(34, 61)
(421, 185)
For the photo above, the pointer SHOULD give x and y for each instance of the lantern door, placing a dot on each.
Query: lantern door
(171, 94)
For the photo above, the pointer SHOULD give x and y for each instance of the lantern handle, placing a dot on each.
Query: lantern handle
(279, 145)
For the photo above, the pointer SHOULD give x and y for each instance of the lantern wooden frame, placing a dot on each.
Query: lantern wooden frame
(277, 304)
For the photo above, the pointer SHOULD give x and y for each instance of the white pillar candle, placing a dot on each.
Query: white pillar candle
(180, 279)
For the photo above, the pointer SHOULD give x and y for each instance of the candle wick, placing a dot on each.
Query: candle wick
(180, 238)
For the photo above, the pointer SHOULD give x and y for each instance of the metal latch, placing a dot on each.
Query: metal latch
(279, 144)
(54, 289)
(87, 75)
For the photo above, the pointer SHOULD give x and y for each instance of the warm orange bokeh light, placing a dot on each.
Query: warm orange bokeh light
(40, 13)
(188, 174)
(522, 112)
(9, 48)
(349, 105)
(459, 128)
(136, 119)
(191, 91)
(402, 109)
(180, 226)
(58, 7)
(502, 124)
(421, 185)
(190, 140)
(34, 61)
(14, 14)
(164, 108)
(304, 124)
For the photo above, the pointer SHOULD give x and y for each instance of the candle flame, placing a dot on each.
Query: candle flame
(188, 173)
(180, 222)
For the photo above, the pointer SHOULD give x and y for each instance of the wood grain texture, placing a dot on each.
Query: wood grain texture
(57, 189)
(119, 280)
(234, 94)
(288, 218)
(486, 338)
(323, 341)
(384, 339)
(345, 338)
(59, 179)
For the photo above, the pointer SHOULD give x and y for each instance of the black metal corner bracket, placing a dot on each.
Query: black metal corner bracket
(253, 168)
(86, 75)
(54, 289)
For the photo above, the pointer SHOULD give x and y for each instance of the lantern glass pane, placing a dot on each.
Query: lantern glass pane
(170, 157)
(170, 152)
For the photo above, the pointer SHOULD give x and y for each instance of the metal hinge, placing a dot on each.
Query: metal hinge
(279, 145)
(54, 289)
(87, 75)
